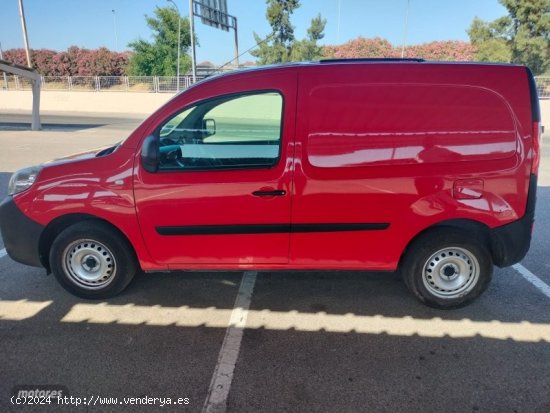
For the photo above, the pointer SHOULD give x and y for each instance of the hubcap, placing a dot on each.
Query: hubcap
(451, 272)
(89, 264)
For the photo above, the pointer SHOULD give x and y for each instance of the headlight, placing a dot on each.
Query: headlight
(23, 179)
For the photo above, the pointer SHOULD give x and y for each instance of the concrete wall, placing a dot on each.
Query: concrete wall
(91, 102)
(545, 112)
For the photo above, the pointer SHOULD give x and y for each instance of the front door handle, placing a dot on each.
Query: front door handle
(275, 192)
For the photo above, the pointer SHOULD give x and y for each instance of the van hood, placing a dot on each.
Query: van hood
(94, 153)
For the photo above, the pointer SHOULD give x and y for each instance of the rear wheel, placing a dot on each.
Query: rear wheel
(91, 260)
(447, 268)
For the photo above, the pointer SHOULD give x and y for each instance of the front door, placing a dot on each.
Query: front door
(222, 193)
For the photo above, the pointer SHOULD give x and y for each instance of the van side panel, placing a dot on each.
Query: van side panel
(427, 124)
(408, 146)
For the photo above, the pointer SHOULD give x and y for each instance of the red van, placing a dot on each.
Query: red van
(429, 168)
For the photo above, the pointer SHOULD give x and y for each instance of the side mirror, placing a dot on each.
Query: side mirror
(209, 127)
(150, 154)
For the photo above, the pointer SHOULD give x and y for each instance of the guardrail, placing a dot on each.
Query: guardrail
(152, 84)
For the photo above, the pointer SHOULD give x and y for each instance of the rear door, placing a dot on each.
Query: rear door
(222, 192)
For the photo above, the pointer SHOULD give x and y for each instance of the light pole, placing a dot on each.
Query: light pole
(338, 33)
(24, 30)
(179, 43)
(192, 30)
(405, 29)
(116, 34)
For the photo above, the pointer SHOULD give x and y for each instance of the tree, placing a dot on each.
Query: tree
(361, 47)
(490, 44)
(447, 50)
(159, 57)
(308, 49)
(73, 62)
(523, 36)
(378, 47)
(282, 45)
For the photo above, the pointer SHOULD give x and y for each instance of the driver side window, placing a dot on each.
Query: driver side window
(237, 131)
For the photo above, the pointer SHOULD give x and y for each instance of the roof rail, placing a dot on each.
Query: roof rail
(373, 59)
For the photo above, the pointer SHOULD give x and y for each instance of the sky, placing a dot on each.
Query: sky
(58, 24)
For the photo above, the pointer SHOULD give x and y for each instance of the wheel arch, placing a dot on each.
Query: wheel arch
(476, 228)
(56, 226)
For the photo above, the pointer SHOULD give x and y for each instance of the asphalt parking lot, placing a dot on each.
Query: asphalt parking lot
(311, 341)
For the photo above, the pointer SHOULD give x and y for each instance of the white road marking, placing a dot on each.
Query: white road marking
(533, 279)
(216, 400)
(3, 252)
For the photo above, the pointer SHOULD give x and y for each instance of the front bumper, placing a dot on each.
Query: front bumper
(21, 235)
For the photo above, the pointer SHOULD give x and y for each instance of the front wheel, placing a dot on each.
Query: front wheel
(92, 260)
(447, 268)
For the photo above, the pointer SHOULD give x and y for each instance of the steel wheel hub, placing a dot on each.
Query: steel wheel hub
(451, 272)
(89, 263)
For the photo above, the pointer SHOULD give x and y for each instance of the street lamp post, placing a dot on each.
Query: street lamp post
(405, 29)
(116, 33)
(24, 30)
(192, 30)
(338, 32)
(179, 44)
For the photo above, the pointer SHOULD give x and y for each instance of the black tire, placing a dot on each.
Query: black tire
(92, 260)
(447, 268)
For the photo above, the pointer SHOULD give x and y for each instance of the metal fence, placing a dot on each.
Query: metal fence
(153, 84)
(543, 86)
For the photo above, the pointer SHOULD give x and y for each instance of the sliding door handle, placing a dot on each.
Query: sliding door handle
(266, 193)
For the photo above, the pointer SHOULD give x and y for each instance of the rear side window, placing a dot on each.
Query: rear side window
(237, 131)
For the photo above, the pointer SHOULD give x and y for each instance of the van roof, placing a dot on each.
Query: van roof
(373, 59)
(323, 62)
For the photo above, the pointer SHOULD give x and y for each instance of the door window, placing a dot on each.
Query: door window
(237, 131)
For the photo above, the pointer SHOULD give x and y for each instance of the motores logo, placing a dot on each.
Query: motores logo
(39, 391)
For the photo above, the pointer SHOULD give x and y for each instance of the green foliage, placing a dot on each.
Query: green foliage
(282, 45)
(159, 57)
(490, 41)
(493, 50)
(521, 37)
(307, 49)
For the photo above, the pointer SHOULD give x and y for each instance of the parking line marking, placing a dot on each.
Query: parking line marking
(533, 279)
(3, 252)
(216, 400)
